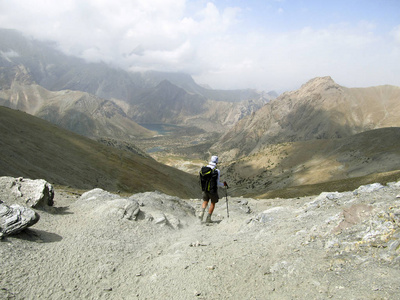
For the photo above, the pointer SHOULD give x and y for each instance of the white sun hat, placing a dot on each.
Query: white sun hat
(214, 159)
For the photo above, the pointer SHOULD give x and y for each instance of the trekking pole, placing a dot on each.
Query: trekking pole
(226, 195)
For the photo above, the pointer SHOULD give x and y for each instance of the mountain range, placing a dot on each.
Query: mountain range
(148, 97)
(77, 111)
(320, 109)
(318, 133)
(321, 133)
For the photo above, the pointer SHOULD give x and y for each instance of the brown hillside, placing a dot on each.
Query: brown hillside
(311, 163)
(33, 148)
(76, 111)
(320, 109)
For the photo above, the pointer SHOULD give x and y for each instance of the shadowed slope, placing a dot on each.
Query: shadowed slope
(31, 147)
(309, 167)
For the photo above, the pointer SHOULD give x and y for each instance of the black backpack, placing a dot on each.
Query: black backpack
(208, 179)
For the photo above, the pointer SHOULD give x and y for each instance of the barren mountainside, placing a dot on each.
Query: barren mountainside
(320, 109)
(145, 97)
(321, 133)
(77, 111)
(33, 148)
(312, 166)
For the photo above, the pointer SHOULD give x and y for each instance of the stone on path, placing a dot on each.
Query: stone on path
(15, 218)
(27, 192)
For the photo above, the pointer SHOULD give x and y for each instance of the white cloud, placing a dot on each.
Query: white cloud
(396, 34)
(8, 55)
(202, 39)
(352, 56)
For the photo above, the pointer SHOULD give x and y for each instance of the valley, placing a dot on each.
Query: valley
(287, 169)
(184, 148)
(268, 144)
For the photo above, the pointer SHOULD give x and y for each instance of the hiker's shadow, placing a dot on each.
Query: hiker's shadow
(62, 210)
(37, 236)
(213, 223)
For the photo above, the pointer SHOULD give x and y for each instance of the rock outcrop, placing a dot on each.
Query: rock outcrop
(17, 197)
(164, 210)
(36, 193)
(16, 218)
(360, 225)
(154, 207)
(107, 205)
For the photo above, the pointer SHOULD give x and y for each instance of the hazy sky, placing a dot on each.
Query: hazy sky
(228, 44)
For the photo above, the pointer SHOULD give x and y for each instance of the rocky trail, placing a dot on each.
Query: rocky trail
(152, 246)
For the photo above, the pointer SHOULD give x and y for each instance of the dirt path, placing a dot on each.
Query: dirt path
(282, 249)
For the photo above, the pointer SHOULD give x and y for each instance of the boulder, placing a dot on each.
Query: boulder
(155, 207)
(98, 194)
(369, 188)
(164, 203)
(324, 200)
(105, 204)
(15, 218)
(270, 215)
(119, 209)
(26, 192)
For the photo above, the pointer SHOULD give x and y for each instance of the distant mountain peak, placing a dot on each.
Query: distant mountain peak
(318, 85)
(166, 83)
(320, 80)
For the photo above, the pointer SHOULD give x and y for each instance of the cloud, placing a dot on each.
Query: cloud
(291, 58)
(212, 43)
(396, 34)
(8, 55)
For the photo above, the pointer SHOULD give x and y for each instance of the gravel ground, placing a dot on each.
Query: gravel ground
(334, 245)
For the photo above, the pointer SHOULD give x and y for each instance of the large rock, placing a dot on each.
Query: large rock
(363, 225)
(164, 203)
(97, 194)
(154, 207)
(15, 218)
(27, 192)
(103, 204)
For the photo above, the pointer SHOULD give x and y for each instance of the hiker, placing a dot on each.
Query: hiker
(209, 177)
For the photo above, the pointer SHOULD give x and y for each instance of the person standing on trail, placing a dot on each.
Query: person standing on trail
(210, 181)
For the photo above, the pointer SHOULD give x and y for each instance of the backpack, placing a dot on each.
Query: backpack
(208, 179)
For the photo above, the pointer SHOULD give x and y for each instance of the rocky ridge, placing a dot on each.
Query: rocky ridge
(77, 111)
(320, 109)
(150, 97)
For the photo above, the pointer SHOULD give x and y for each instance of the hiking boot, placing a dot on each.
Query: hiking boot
(208, 219)
(201, 215)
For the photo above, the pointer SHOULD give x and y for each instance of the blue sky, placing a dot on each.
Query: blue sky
(293, 14)
(227, 44)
